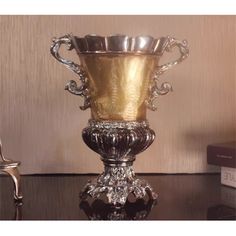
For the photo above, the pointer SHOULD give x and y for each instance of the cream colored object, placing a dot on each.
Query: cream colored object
(228, 176)
(42, 123)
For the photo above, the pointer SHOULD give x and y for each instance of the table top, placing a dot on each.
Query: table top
(181, 197)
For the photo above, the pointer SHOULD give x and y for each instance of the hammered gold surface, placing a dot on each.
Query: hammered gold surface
(41, 123)
(118, 85)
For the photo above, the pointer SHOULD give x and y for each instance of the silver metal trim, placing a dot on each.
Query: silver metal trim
(11, 168)
(118, 142)
(119, 44)
(71, 86)
(155, 89)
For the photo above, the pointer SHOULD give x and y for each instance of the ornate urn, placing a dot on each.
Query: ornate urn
(119, 80)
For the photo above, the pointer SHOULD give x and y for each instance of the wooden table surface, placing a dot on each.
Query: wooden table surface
(181, 197)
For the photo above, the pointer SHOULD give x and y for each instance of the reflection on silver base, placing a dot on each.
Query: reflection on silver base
(117, 183)
(99, 210)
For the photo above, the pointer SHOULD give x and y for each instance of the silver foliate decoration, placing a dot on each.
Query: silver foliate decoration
(118, 135)
(155, 89)
(117, 183)
(118, 143)
(71, 86)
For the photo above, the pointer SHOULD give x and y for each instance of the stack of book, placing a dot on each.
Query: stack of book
(224, 155)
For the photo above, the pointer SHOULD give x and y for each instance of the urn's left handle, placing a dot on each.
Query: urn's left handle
(71, 86)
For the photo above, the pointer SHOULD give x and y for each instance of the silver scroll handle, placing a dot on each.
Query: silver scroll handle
(71, 86)
(155, 90)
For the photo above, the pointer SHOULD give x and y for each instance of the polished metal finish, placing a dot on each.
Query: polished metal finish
(119, 76)
(118, 43)
(11, 167)
(71, 86)
(106, 61)
(155, 90)
(117, 183)
(118, 143)
(118, 85)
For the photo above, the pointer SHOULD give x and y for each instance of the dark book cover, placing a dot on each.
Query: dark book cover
(222, 154)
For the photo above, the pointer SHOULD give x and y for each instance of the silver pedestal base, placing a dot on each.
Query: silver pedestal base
(117, 183)
(118, 142)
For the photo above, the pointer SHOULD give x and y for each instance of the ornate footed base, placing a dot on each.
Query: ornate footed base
(118, 142)
(117, 183)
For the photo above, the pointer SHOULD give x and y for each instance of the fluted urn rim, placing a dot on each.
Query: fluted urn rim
(119, 43)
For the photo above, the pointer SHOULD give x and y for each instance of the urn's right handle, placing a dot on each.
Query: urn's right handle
(71, 86)
(156, 90)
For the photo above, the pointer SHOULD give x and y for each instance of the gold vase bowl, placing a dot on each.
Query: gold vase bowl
(118, 85)
(119, 80)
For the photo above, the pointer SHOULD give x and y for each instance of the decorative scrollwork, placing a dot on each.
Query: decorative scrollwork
(155, 90)
(82, 90)
(117, 183)
(71, 86)
(118, 142)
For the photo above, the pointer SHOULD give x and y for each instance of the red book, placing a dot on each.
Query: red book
(222, 154)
